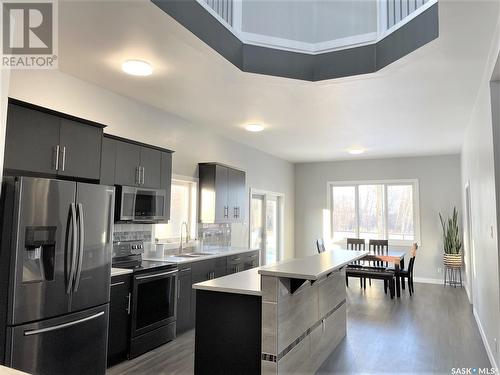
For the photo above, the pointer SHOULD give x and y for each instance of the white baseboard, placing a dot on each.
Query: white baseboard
(427, 280)
(485, 340)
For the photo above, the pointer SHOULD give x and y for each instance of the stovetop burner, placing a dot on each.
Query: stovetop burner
(128, 254)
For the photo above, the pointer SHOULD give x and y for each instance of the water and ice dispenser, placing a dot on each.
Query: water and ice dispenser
(39, 254)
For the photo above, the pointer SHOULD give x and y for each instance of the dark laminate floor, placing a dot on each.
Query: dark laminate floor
(431, 332)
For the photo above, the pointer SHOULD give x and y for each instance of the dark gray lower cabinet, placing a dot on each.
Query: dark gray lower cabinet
(119, 319)
(251, 260)
(197, 272)
(242, 262)
(184, 285)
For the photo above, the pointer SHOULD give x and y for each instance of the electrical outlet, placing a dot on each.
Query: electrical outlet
(440, 270)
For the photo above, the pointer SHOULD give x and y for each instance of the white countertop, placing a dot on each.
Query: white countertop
(313, 267)
(214, 253)
(309, 268)
(119, 271)
(10, 371)
(245, 282)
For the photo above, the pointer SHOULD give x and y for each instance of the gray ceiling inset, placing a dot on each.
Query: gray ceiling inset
(277, 62)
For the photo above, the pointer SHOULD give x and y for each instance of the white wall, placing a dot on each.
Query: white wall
(131, 119)
(439, 188)
(478, 168)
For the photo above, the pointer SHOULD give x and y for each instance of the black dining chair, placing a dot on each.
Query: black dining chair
(320, 245)
(408, 272)
(357, 244)
(379, 247)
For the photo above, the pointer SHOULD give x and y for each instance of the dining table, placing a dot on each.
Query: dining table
(396, 257)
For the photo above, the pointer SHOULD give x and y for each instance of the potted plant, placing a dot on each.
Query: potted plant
(451, 241)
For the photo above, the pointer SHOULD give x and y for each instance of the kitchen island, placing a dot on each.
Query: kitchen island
(284, 318)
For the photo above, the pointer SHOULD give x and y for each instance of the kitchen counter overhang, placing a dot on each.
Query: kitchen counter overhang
(283, 318)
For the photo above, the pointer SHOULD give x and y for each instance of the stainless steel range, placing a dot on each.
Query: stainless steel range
(154, 297)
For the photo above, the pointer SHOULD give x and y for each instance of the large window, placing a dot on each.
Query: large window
(182, 209)
(375, 210)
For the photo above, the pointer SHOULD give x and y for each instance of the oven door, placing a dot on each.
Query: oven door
(153, 300)
(149, 205)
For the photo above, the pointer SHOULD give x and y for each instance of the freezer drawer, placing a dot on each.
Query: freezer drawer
(71, 344)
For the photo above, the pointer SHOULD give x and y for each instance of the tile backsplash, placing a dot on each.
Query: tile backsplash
(209, 235)
(214, 235)
(130, 232)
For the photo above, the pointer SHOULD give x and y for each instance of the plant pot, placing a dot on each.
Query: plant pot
(452, 260)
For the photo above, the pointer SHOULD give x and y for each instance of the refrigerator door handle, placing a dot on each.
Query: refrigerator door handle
(80, 247)
(72, 252)
(61, 326)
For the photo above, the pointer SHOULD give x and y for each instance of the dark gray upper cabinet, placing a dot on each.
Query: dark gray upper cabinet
(129, 163)
(108, 160)
(80, 153)
(31, 140)
(128, 157)
(237, 196)
(222, 194)
(150, 165)
(43, 141)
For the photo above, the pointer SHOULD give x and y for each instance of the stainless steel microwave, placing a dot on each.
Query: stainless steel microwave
(140, 205)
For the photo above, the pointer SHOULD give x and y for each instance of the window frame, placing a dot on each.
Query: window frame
(280, 253)
(193, 210)
(356, 183)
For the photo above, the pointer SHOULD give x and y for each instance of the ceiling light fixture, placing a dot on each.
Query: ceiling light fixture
(254, 128)
(137, 68)
(356, 151)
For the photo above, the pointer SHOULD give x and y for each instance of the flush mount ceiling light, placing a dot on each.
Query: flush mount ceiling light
(254, 128)
(356, 151)
(137, 68)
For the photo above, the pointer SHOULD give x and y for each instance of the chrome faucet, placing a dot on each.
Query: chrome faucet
(181, 247)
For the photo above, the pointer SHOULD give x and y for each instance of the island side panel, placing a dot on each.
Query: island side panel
(227, 333)
(301, 329)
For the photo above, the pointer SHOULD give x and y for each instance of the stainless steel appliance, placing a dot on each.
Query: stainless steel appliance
(55, 263)
(154, 297)
(140, 204)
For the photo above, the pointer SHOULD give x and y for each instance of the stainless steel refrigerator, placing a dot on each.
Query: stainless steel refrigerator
(55, 264)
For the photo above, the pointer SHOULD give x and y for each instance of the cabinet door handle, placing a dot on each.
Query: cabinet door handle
(128, 303)
(55, 156)
(143, 174)
(137, 175)
(178, 290)
(63, 158)
(226, 210)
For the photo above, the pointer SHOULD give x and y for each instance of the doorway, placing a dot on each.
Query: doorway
(266, 225)
(471, 273)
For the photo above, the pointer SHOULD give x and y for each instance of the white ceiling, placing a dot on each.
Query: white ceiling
(419, 105)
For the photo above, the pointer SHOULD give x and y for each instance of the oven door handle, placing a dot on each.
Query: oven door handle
(156, 275)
